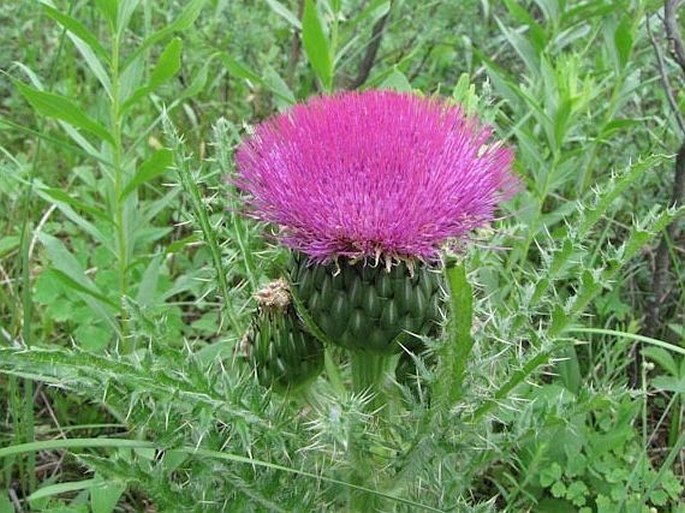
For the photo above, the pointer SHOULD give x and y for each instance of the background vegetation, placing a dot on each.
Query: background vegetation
(127, 269)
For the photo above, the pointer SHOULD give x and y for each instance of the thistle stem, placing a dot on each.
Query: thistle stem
(368, 370)
(368, 373)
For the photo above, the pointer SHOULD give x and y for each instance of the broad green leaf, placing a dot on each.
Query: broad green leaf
(76, 28)
(84, 144)
(396, 81)
(124, 13)
(93, 62)
(623, 40)
(183, 21)
(75, 285)
(57, 489)
(535, 32)
(561, 121)
(277, 85)
(105, 495)
(200, 79)
(131, 79)
(168, 65)
(5, 505)
(178, 245)
(84, 40)
(60, 195)
(240, 70)
(147, 290)
(69, 270)
(369, 15)
(316, 45)
(670, 384)
(108, 8)
(662, 357)
(59, 107)
(64, 203)
(285, 13)
(8, 244)
(528, 53)
(155, 166)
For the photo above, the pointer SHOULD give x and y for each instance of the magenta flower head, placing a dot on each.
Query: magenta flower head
(356, 179)
(371, 174)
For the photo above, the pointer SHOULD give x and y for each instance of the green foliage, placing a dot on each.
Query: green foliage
(586, 454)
(127, 265)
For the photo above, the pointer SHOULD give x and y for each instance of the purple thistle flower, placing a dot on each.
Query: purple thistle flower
(373, 174)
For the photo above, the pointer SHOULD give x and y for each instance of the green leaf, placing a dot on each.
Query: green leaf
(316, 45)
(397, 81)
(57, 489)
(271, 80)
(147, 290)
(631, 336)
(5, 504)
(623, 40)
(569, 369)
(464, 93)
(374, 11)
(153, 167)
(200, 79)
(59, 107)
(76, 28)
(8, 244)
(108, 8)
(183, 21)
(52, 194)
(277, 85)
(66, 204)
(105, 495)
(528, 53)
(662, 357)
(69, 271)
(239, 70)
(93, 63)
(535, 32)
(168, 65)
(561, 120)
(76, 285)
(124, 13)
(285, 13)
(669, 384)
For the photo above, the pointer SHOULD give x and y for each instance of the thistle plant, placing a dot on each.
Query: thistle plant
(366, 189)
